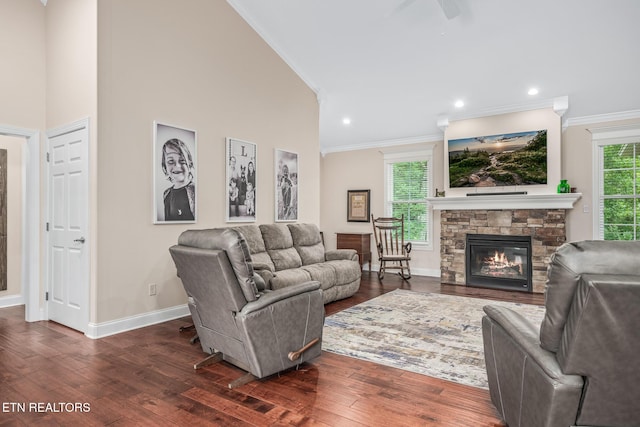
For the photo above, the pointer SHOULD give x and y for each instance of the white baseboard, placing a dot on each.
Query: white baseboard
(112, 327)
(11, 300)
(414, 271)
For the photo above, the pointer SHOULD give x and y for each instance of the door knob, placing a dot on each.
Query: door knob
(80, 240)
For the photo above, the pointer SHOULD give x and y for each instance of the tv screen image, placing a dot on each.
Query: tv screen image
(509, 159)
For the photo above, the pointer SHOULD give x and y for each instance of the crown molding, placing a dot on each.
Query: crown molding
(270, 41)
(383, 143)
(603, 118)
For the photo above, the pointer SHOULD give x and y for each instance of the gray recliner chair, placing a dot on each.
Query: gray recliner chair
(582, 368)
(261, 332)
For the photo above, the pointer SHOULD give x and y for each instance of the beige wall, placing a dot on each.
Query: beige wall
(364, 170)
(196, 65)
(23, 71)
(71, 59)
(22, 105)
(14, 148)
(577, 166)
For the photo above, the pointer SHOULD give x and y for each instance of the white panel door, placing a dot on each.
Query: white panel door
(68, 248)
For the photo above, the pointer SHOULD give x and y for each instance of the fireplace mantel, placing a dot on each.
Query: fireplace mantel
(506, 201)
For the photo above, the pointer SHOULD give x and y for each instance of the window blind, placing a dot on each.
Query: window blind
(407, 188)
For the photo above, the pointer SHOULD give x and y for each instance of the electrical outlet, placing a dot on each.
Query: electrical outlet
(153, 290)
(585, 208)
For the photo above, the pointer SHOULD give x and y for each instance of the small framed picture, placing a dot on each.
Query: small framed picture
(174, 174)
(358, 205)
(286, 202)
(242, 192)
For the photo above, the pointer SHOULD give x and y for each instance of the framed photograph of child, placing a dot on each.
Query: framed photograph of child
(241, 180)
(174, 174)
(286, 202)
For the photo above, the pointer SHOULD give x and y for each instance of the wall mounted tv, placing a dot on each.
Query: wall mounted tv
(498, 160)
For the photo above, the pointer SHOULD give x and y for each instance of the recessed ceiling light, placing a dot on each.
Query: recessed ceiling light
(459, 103)
(346, 121)
(533, 91)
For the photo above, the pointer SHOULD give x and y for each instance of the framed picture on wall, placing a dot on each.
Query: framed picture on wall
(241, 180)
(358, 205)
(174, 174)
(286, 199)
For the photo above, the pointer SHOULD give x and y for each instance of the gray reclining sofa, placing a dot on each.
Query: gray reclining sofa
(287, 254)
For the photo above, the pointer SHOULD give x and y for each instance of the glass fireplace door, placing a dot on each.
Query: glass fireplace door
(502, 262)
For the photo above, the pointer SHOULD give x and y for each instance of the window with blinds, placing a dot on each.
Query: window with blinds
(619, 182)
(408, 182)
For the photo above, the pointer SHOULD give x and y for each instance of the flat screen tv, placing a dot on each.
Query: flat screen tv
(498, 160)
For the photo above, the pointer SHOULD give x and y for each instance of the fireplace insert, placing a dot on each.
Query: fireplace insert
(499, 262)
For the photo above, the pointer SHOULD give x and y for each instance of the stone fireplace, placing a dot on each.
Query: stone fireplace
(546, 227)
(541, 218)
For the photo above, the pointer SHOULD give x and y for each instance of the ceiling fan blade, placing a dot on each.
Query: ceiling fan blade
(403, 5)
(449, 8)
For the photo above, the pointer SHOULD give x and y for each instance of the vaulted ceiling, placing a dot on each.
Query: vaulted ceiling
(393, 67)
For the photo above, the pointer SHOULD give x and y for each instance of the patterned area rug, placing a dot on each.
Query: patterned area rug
(432, 334)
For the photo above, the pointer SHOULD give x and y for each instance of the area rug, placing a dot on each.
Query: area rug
(432, 334)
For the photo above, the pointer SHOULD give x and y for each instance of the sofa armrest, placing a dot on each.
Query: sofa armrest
(525, 380)
(272, 297)
(338, 254)
(262, 266)
(525, 335)
(265, 272)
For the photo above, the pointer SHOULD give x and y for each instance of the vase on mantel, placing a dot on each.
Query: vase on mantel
(564, 186)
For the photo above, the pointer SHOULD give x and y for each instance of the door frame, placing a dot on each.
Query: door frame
(30, 220)
(82, 124)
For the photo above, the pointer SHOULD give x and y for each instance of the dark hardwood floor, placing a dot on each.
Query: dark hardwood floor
(146, 377)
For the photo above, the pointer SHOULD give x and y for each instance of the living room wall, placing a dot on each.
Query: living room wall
(22, 104)
(363, 169)
(577, 168)
(195, 65)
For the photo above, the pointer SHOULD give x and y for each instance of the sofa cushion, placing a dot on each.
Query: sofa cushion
(285, 278)
(323, 273)
(346, 271)
(277, 239)
(253, 236)
(257, 249)
(308, 243)
(285, 259)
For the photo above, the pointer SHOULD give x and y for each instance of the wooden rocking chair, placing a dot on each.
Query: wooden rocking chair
(393, 252)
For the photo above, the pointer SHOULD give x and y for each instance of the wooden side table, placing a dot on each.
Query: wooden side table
(361, 242)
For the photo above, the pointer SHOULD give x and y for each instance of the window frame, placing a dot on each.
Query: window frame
(411, 156)
(601, 138)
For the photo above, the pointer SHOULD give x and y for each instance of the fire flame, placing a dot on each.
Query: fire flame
(500, 261)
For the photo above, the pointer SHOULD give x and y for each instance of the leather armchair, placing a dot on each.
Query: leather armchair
(262, 332)
(582, 367)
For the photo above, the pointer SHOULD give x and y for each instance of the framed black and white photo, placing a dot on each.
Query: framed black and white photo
(174, 174)
(241, 180)
(286, 199)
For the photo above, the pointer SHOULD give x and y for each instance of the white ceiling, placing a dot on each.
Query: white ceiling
(395, 66)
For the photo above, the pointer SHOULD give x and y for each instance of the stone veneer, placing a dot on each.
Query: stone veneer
(546, 227)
